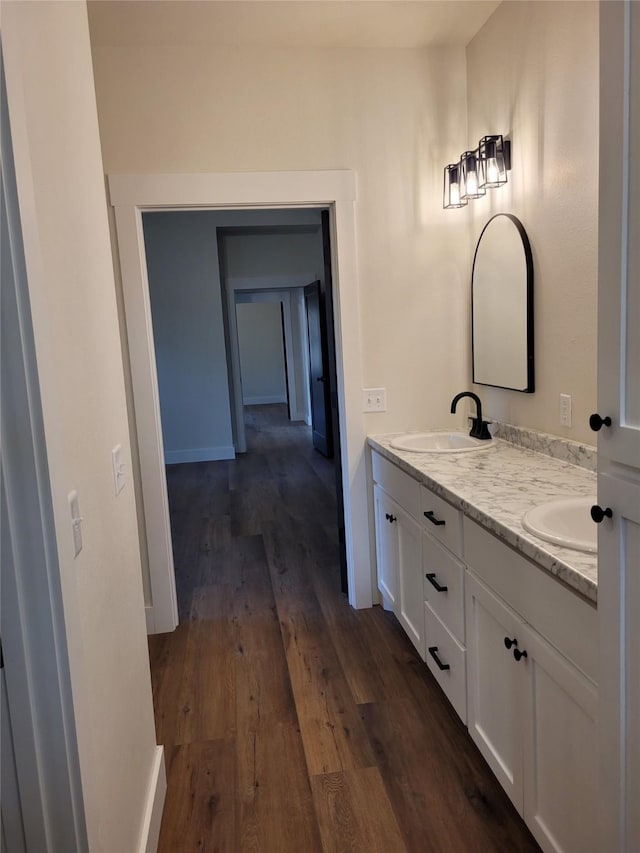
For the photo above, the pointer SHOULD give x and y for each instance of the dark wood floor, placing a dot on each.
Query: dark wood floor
(291, 722)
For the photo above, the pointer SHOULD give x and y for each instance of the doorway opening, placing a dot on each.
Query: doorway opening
(134, 195)
(236, 329)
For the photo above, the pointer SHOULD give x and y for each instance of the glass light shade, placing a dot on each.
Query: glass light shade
(452, 196)
(470, 176)
(493, 161)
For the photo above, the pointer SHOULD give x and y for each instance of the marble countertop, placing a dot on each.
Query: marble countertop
(496, 487)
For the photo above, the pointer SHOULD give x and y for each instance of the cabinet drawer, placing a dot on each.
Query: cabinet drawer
(442, 569)
(400, 486)
(441, 519)
(441, 644)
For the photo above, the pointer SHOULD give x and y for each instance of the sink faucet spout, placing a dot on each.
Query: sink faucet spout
(479, 428)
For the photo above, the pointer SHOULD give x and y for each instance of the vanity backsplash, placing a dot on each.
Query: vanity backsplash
(573, 452)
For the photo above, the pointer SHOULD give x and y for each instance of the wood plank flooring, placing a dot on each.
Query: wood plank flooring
(292, 723)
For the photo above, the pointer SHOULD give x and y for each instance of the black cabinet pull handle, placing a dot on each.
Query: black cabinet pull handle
(390, 518)
(433, 519)
(519, 654)
(433, 651)
(431, 577)
(508, 642)
(596, 422)
(598, 514)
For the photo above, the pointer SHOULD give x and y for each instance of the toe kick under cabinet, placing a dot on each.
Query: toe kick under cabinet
(513, 649)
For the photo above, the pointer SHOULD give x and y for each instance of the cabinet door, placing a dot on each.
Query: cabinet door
(411, 602)
(560, 750)
(386, 513)
(494, 685)
(618, 445)
(619, 671)
(619, 226)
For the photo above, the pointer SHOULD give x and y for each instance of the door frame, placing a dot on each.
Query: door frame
(131, 195)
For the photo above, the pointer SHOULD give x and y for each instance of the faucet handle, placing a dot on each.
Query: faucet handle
(479, 429)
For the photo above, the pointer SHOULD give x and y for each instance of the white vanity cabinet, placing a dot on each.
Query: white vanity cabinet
(532, 701)
(399, 547)
(513, 648)
(444, 597)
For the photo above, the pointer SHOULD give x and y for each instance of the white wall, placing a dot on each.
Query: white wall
(397, 117)
(391, 115)
(532, 73)
(188, 330)
(290, 253)
(261, 352)
(281, 258)
(69, 267)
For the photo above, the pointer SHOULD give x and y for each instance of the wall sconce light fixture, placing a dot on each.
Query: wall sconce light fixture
(470, 169)
(477, 171)
(452, 197)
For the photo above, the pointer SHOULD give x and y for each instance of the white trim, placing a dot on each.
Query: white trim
(232, 189)
(150, 619)
(148, 425)
(152, 815)
(263, 401)
(130, 194)
(199, 454)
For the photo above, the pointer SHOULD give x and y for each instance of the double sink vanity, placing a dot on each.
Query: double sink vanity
(485, 552)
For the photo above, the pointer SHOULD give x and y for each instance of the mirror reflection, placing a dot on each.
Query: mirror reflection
(502, 306)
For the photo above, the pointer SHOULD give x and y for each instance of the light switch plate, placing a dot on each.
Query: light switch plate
(374, 399)
(565, 410)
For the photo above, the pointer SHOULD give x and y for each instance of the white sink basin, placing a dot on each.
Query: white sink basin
(565, 521)
(439, 442)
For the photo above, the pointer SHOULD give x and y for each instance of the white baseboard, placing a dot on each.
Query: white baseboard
(152, 817)
(261, 401)
(199, 454)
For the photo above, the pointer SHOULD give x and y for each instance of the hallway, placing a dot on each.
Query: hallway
(292, 723)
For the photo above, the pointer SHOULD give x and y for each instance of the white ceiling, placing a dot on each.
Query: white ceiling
(289, 23)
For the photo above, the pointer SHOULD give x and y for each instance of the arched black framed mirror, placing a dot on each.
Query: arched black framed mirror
(502, 306)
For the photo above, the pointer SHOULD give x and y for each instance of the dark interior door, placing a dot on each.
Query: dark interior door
(333, 392)
(284, 355)
(319, 382)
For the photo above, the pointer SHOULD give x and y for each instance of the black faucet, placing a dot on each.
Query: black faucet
(479, 427)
